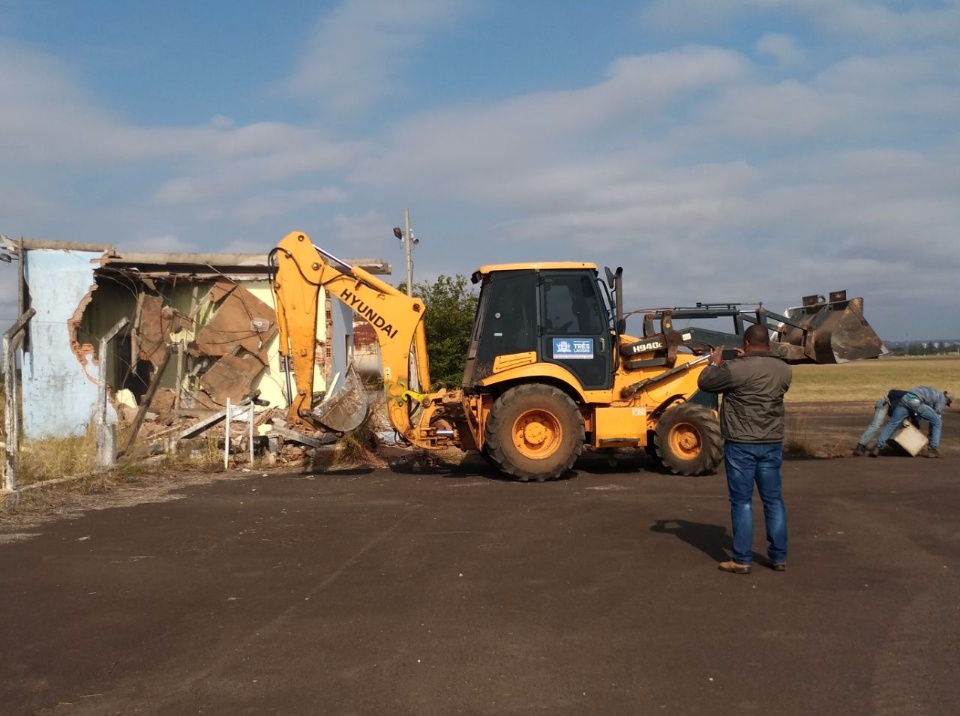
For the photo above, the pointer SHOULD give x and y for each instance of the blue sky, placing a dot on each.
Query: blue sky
(718, 150)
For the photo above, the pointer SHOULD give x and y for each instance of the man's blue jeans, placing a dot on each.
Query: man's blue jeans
(880, 413)
(908, 405)
(746, 464)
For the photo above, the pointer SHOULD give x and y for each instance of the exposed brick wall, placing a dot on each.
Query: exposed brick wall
(363, 333)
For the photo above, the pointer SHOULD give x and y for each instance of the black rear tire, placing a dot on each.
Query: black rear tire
(688, 441)
(534, 432)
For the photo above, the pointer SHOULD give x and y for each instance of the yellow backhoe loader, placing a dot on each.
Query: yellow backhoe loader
(549, 368)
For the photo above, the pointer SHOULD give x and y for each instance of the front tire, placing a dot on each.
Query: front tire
(534, 432)
(688, 441)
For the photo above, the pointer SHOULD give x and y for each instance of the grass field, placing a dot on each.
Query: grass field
(870, 379)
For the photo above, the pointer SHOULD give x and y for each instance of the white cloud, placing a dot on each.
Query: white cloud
(691, 167)
(869, 22)
(618, 172)
(357, 52)
(359, 232)
(789, 110)
(478, 149)
(879, 24)
(863, 97)
(50, 126)
(165, 243)
(48, 119)
(277, 204)
(783, 48)
(212, 176)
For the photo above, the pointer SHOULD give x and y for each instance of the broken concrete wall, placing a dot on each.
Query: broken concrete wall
(151, 323)
(81, 291)
(219, 322)
(109, 303)
(59, 378)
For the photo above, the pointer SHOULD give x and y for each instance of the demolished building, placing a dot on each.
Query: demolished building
(200, 329)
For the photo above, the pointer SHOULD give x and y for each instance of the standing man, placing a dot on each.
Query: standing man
(926, 403)
(751, 422)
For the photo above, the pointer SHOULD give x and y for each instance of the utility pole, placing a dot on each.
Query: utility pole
(406, 236)
(406, 222)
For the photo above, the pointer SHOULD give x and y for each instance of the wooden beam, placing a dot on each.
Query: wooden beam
(145, 404)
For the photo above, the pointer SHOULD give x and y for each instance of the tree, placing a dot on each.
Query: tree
(451, 306)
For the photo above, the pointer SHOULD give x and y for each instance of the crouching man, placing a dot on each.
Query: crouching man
(926, 403)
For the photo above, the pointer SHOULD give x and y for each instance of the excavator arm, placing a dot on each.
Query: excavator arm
(300, 271)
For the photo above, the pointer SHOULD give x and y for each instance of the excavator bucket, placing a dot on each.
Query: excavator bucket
(827, 331)
(346, 405)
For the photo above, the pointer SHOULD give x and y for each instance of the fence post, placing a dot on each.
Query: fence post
(106, 433)
(226, 437)
(11, 421)
(253, 405)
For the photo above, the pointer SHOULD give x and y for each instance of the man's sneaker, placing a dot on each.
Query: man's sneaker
(931, 452)
(859, 450)
(874, 451)
(734, 567)
(778, 566)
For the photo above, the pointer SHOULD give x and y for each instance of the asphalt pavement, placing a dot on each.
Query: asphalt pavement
(455, 592)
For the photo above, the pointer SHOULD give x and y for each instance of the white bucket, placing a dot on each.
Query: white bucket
(909, 438)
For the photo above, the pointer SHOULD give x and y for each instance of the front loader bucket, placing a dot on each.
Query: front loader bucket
(346, 405)
(831, 331)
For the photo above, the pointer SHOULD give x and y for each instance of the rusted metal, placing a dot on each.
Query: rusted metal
(231, 376)
(832, 331)
(241, 319)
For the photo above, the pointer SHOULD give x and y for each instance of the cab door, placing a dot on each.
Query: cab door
(575, 330)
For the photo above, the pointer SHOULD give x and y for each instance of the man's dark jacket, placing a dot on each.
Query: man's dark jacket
(753, 386)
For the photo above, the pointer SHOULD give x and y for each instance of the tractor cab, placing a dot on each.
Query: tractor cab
(547, 312)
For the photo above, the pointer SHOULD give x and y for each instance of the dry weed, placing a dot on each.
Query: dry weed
(358, 447)
(798, 439)
(54, 458)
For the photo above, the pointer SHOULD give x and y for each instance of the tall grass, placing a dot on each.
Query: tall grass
(52, 458)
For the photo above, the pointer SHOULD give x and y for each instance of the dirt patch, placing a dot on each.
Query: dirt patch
(72, 500)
